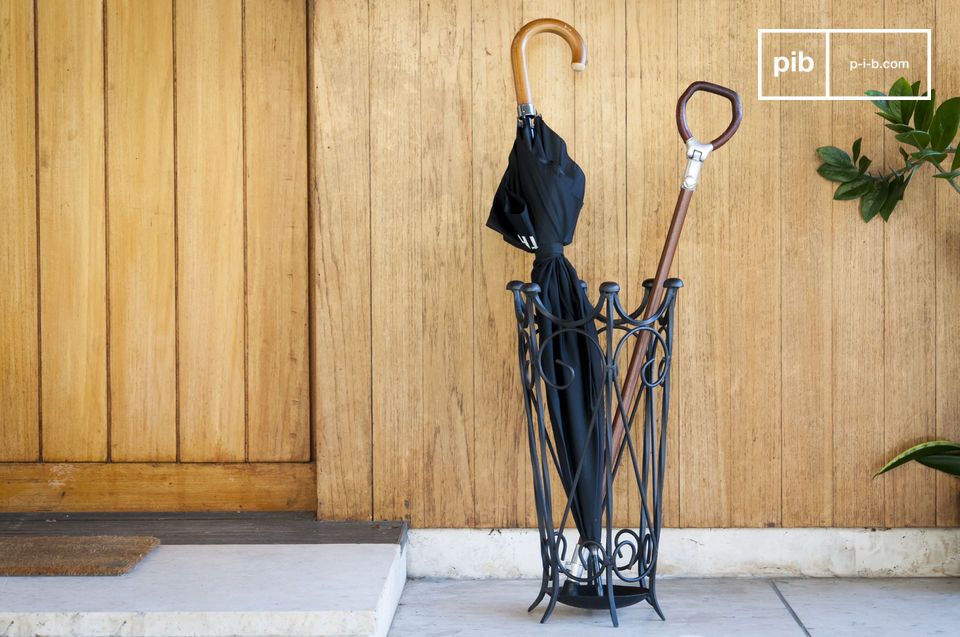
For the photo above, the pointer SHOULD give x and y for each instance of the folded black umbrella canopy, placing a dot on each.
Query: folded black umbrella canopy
(536, 209)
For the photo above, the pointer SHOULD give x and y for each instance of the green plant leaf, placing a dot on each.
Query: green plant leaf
(894, 195)
(930, 155)
(856, 148)
(834, 156)
(883, 105)
(903, 153)
(871, 202)
(956, 160)
(890, 118)
(864, 164)
(915, 88)
(924, 112)
(899, 128)
(953, 174)
(943, 128)
(947, 462)
(917, 138)
(838, 173)
(853, 189)
(902, 110)
(932, 448)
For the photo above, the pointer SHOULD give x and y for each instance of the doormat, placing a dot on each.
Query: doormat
(78, 555)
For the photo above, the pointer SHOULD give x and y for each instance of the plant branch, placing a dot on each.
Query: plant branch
(949, 180)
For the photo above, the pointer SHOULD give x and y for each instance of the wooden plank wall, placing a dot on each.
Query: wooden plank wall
(169, 299)
(811, 346)
(154, 237)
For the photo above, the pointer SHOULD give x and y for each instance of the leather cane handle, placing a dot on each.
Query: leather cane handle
(518, 51)
(736, 111)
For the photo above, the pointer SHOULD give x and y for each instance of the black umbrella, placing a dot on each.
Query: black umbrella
(536, 209)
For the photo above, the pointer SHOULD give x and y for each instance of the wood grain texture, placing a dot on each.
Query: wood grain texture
(340, 232)
(72, 214)
(140, 197)
(275, 77)
(210, 221)
(447, 222)
(858, 309)
(811, 346)
(19, 360)
(128, 486)
(707, 302)
(753, 265)
(397, 266)
(947, 74)
(653, 174)
(501, 469)
(806, 295)
(909, 327)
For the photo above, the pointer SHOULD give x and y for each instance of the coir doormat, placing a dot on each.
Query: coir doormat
(73, 555)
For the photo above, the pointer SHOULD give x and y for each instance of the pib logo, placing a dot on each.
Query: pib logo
(796, 62)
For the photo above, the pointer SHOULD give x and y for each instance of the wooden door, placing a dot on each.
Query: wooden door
(154, 332)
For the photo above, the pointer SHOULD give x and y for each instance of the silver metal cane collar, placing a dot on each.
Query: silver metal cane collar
(697, 153)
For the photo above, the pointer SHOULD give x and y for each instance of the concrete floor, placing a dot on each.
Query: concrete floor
(694, 607)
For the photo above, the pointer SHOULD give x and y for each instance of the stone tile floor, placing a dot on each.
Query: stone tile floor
(694, 607)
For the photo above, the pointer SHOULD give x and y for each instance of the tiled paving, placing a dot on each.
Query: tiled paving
(694, 607)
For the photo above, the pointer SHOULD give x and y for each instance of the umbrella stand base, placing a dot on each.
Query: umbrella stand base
(618, 568)
(584, 596)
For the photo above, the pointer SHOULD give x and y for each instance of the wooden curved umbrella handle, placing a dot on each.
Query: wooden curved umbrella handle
(518, 52)
(736, 111)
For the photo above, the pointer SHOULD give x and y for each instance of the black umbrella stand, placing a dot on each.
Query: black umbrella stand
(618, 569)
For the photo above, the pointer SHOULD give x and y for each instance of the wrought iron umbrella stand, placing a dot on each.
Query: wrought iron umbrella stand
(621, 568)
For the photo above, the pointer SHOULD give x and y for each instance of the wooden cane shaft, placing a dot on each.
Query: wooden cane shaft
(638, 358)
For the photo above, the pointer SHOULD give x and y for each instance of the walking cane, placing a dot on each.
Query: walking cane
(697, 153)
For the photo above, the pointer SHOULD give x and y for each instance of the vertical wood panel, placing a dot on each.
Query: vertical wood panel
(599, 248)
(276, 190)
(806, 293)
(340, 214)
(704, 318)
(752, 284)
(947, 83)
(210, 218)
(653, 175)
(72, 218)
(858, 309)
(502, 472)
(599, 146)
(142, 262)
(397, 265)
(19, 424)
(909, 276)
(447, 222)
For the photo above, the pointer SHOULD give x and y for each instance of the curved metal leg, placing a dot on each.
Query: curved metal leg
(652, 598)
(543, 591)
(612, 600)
(555, 584)
(656, 605)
